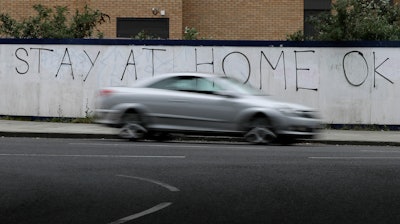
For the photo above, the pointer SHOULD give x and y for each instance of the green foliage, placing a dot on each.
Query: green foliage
(54, 24)
(190, 33)
(352, 20)
(143, 35)
(297, 36)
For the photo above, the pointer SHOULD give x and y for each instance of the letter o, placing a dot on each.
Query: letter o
(244, 56)
(346, 74)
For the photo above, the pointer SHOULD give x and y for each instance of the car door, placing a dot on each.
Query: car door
(191, 104)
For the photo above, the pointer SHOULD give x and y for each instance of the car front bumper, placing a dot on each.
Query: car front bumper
(300, 128)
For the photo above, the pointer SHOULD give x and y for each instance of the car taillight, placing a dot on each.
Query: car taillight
(106, 92)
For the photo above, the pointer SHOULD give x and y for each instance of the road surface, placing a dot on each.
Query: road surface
(111, 181)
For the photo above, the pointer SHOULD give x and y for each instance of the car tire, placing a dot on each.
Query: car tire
(160, 136)
(287, 141)
(260, 131)
(132, 126)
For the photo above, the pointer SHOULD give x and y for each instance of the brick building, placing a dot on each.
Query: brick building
(213, 19)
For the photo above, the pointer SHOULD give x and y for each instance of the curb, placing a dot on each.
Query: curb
(57, 135)
(353, 142)
(189, 138)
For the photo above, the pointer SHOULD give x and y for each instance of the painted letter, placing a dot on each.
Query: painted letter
(40, 51)
(301, 69)
(344, 69)
(92, 63)
(152, 57)
(244, 56)
(273, 67)
(69, 63)
(206, 63)
(25, 62)
(376, 71)
(130, 63)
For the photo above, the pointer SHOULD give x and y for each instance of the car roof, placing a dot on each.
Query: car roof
(199, 74)
(159, 77)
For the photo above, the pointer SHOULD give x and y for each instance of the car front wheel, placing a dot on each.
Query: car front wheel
(259, 131)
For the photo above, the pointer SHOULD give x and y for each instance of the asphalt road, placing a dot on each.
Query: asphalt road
(111, 181)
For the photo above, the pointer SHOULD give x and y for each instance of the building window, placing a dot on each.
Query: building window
(314, 7)
(155, 27)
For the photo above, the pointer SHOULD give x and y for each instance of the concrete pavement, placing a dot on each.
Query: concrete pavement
(12, 128)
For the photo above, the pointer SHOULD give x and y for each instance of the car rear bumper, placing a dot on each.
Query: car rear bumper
(107, 117)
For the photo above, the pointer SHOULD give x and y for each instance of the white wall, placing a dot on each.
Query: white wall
(348, 85)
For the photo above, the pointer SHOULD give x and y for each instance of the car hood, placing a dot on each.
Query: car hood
(271, 102)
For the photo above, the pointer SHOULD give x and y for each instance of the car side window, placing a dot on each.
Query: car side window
(164, 84)
(187, 83)
(207, 85)
(175, 83)
(184, 84)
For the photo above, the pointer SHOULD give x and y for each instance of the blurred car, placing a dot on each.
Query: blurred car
(197, 103)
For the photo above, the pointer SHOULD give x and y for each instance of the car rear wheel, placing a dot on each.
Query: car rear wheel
(260, 131)
(132, 126)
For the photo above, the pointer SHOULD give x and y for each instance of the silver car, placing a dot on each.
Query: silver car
(197, 103)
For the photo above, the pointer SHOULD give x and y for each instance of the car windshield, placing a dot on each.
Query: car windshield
(233, 85)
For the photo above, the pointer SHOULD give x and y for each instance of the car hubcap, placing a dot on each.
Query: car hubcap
(259, 131)
(260, 135)
(132, 131)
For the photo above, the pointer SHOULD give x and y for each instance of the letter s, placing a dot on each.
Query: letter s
(25, 62)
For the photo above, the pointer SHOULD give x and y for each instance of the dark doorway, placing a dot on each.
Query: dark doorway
(314, 7)
(154, 27)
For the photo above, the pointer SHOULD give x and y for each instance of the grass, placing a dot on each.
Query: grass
(86, 120)
(363, 127)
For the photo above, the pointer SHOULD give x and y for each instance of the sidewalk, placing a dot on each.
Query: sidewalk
(11, 128)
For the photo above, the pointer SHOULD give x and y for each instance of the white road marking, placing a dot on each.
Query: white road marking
(94, 156)
(140, 214)
(151, 210)
(182, 145)
(140, 145)
(355, 158)
(169, 187)
(380, 151)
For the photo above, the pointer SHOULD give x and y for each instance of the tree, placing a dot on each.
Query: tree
(352, 20)
(54, 24)
(190, 33)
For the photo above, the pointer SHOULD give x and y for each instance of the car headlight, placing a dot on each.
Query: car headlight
(290, 112)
